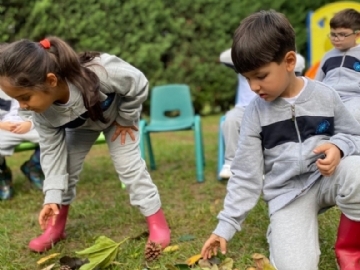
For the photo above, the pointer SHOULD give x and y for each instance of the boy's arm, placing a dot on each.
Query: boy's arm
(245, 186)
(320, 75)
(346, 129)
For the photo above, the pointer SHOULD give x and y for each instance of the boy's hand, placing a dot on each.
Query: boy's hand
(22, 128)
(49, 211)
(211, 246)
(332, 158)
(121, 130)
(8, 126)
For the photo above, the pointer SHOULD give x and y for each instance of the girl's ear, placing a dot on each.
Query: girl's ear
(51, 80)
(290, 61)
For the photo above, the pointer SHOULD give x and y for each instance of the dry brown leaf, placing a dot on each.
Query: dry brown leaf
(193, 259)
(44, 259)
(261, 262)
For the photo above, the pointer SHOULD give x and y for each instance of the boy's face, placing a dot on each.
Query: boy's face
(273, 80)
(343, 38)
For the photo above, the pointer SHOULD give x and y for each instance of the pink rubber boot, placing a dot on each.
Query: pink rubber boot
(347, 247)
(159, 231)
(52, 234)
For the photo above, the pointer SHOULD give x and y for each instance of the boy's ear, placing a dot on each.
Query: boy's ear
(357, 34)
(290, 61)
(51, 80)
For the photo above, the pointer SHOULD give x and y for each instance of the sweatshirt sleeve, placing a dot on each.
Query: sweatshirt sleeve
(245, 185)
(320, 75)
(132, 85)
(346, 129)
(53, 159)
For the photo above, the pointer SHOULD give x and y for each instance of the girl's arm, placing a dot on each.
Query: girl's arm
(126, 81)
(53, 157)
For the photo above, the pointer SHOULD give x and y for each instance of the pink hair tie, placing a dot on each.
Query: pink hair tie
(45, 43)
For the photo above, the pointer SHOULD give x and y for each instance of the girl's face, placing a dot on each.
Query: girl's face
(29, 98)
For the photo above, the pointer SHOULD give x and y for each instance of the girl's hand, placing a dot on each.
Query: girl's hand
(8, 126)
(23, 127)
(49, 211)
(121, 130)
(211, 246)
(332, 158)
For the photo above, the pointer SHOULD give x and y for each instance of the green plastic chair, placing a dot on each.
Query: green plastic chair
(171, 109)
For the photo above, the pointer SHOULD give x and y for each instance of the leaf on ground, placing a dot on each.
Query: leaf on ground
(49, 267)
(101, 254)
(72, 262)
(204, 264)
(44, 259)
(186, 237)
(226, 264)
(171, 248)
(193, 259)
(261, 262)
(214, 260)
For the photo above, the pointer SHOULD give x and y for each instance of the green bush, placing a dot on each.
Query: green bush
(170, 41)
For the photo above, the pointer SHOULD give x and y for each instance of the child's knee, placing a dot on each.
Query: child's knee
(295, 261)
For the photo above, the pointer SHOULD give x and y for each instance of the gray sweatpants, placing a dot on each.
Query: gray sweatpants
(293, 230)
(9, 140)
(129, 165)
(231, 130)
(353, 105)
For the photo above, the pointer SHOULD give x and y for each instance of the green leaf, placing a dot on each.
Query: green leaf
(101, 243)
(101, 254)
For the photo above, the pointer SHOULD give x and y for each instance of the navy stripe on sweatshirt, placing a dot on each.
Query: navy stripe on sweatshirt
(5, 104)
(285, 131)
(350, 62)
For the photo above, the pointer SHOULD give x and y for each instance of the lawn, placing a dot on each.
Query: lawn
(102, 208)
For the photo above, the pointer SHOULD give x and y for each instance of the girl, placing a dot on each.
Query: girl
(14, 130)
(72, 99)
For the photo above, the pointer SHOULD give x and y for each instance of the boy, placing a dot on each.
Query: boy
(299, 133)
(232, 122)
(13, 131)
(340, 67)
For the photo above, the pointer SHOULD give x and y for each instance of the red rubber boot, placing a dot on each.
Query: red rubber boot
(347, 246)
(159, 231)
(52, 234)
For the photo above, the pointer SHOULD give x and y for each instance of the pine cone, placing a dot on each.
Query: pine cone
(65, 267)
(152, 251)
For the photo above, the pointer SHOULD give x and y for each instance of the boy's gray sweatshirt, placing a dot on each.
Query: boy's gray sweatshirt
(341, 70)
(278, 139)
(116, 76)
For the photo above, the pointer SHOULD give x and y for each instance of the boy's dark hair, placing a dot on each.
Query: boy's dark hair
(346, 18)
(262, 38)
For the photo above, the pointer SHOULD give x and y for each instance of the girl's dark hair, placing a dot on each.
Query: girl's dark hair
(262, 38)
(27, 63)
(346, 18)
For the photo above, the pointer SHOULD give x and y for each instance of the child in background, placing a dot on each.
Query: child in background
(13, 131)
(340, 67)
(72, 98)
(301, 136)
(231, 125)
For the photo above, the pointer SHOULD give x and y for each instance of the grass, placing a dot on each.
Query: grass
(102, 208)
